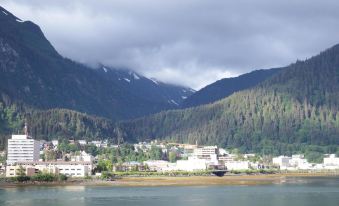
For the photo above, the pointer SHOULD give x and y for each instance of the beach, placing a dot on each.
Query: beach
(152, 181)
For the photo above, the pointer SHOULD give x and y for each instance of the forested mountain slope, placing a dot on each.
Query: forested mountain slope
(297, 107)
(225, 87)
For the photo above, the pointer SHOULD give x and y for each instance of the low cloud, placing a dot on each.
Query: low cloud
(191, 42)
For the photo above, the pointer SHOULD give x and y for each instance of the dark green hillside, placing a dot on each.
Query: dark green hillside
(297, 107)
(53, 124)
(225, 87)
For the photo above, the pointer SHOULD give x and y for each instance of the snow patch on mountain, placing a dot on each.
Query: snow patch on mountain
(127, 80)
(154, 81)
(188, 90)
(173, 102)
(136, 77)
(191, 90)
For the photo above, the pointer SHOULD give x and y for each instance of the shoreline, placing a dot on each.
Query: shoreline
(156, 181)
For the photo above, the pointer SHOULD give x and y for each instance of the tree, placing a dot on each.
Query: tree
(104, 165)
(50, 155)
(21, 171)
(172, 156)
(21, 175)
(91, 149)
(155, 153)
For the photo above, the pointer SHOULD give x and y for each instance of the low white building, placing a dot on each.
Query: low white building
(331, 162)
(282, 161)
(237, 165)
(192, 164)
(73, 169)
(82, 142)
(296, 162)
(158, 165)
(299, 162)
(96, 143)
(142, 146)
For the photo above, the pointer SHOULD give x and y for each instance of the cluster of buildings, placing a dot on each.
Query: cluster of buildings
(194, 158)
(298, 162)
(24, 152)
(97, 143)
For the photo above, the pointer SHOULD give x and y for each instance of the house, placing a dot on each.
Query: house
(96, 143)
(82, 157)
(82, 142)
(55, 143)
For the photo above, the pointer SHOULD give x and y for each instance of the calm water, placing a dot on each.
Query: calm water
(295, 191)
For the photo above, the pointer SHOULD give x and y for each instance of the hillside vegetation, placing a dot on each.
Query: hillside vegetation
(54, 124)
(226, 87)
(293, 109)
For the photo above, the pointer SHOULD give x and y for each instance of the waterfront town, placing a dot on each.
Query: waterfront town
(81, 158)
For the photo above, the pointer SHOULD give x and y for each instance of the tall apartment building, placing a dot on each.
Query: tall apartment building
(22, 148)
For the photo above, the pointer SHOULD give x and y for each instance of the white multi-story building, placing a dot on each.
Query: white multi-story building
(82, 157)
(205, 152)
(22, 148)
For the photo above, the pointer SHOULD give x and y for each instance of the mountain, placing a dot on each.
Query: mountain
(294, 110)
(60, 98)
(145, 88)
(33, 73)
(225, 87)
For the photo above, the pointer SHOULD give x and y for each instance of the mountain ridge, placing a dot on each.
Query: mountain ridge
(227, 86)
(292, 110)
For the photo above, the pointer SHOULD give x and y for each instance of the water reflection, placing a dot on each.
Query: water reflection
(286, 191)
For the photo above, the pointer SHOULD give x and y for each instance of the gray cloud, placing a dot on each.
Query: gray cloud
(191, 42)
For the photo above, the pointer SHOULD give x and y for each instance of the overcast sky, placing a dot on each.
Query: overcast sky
(188, 42)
